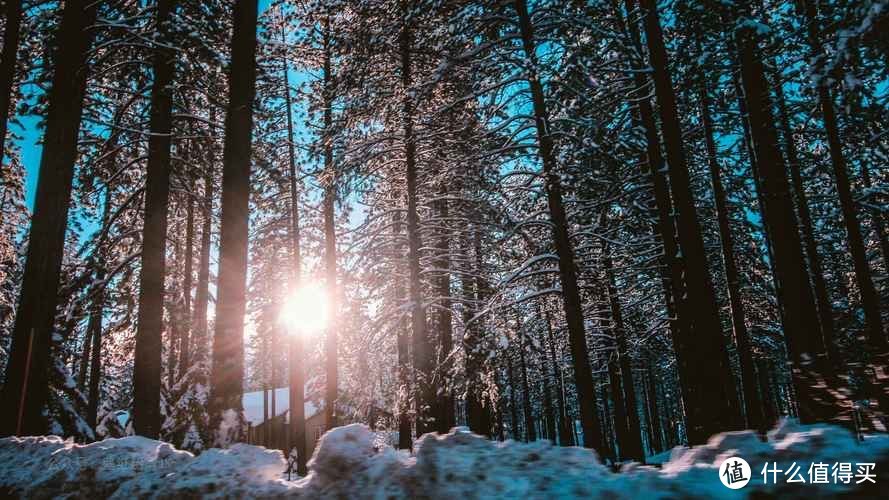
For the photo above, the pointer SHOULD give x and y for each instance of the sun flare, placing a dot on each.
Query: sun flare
(304, 312)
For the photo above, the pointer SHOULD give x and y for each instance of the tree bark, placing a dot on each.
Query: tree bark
(226, 382)
(566, 437)
(655, 414)
(8, 60)
(549, 411)
(711, 401)
(631, 444)
(513, 406)
(478, 410)
(421, 351)
(405, 438)
(527, 412)
(147, 357)
(444, 321)
(94, 326)
(26, 388)
(586, 396)
(187, 282)
(202, 291)
(822, 299)
(870, 301)
(673, 276)
(296, 354)
(752, 402)
(330, 238)
(799, 314)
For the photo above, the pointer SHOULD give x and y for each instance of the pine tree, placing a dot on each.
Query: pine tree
(147, 368)
(228, 348)
(25, 390)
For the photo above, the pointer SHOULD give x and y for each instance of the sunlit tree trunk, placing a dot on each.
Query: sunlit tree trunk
(296, 355)
(226, 382)
(202, 290)
(187, 282)
(97, 312)
(332, 347)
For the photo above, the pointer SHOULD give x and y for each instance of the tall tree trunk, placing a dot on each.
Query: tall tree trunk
(26, 388)
(202, 291)
(549, 410)
(187, 281)
(94, 325)
(711, 402)
(672, 275)
(870, 302)
(655, 414)
(631, 444)
(799, 313)
(92, 406)
(147, 357)
(8, 59)
(405, 438)
(174, 310)
(87, 346)
(330, 236)
(822, 299)
(564, 248)
(421, 351)
(296, 354)
(749, 389)
(265, 413)
(272, 379)
(226, 382)
(527, 412)
(444, 321)
(513, 406)
(566, 437)
(478, 410)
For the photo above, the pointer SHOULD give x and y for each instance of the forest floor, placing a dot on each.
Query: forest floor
(352, 462)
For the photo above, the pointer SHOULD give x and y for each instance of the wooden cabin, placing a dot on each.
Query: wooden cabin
(273, 432)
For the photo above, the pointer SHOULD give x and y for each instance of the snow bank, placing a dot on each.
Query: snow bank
(352, 462)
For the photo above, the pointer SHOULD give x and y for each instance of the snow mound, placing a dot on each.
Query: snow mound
(56, 468)
(352, 462)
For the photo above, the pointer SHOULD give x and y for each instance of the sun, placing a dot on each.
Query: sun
(304, 312)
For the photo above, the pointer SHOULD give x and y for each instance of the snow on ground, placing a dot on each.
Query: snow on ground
(351, 462)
